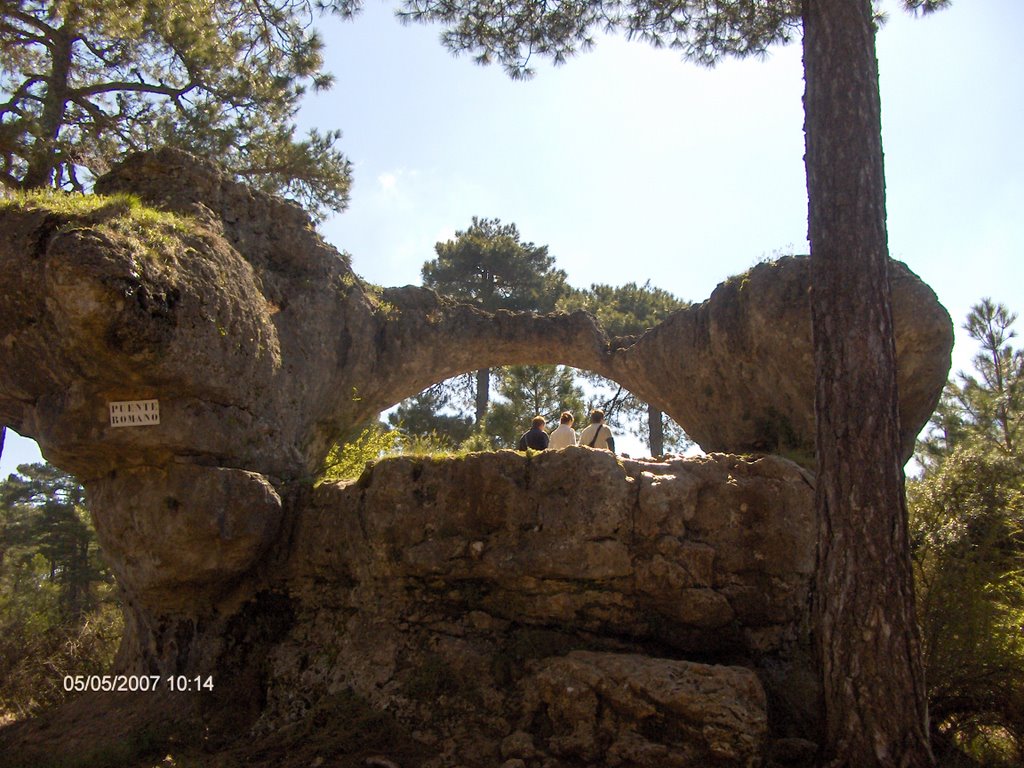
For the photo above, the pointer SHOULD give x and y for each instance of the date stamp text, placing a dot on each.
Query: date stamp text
(138, 683)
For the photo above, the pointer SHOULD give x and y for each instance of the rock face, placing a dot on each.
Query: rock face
(263, 348)
(544, 608)
(743, 378)
(471, 581)
(634, 710)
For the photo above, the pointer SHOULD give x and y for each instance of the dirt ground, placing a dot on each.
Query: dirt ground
(147, 730)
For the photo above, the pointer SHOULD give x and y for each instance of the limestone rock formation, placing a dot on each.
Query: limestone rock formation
(263, 347)
(544, 608)
(461, 584)
(628, 709)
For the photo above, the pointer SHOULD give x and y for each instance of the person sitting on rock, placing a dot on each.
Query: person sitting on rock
(563, 435)
(598, 434)
(536, 438)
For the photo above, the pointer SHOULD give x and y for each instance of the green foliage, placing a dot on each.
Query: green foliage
(624, 310)
(432, 445)
(432, 414)
(47, 538)
(967, 531)
(151, 232)
(85, 81)
(479, 440)
(347, 460)
(966, 526)
(986, 406)
(57, 611)
(489, 265)
(532, 390)
(513, 31)
(92, 209)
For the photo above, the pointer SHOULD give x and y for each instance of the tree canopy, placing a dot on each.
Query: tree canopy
(987, 405)
(526, 391)
(57, 609)
(84, 81)
(514, 32)
(489, 265)
(967, 527)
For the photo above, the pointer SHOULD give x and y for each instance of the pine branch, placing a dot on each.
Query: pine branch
(126, 86)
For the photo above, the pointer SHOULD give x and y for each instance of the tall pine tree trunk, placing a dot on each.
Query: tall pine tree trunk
(43, 158)
(655, 431)
(483, 393)
(868, 642)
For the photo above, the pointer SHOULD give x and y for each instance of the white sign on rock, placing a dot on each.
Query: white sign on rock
(134, 413)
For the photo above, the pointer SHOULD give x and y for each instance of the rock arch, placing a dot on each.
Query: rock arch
(262, 346)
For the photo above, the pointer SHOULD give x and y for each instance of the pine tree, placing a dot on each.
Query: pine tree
(864, 617)
(43, 519)
(967, 526)
(84, 81)
(57, 612)
(433, 415)
(987, 405)
(526, 391)
(489, 265)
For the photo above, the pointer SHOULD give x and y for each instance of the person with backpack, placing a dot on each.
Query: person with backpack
(598, 434)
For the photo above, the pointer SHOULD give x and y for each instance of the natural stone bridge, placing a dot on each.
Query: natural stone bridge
(263, 348)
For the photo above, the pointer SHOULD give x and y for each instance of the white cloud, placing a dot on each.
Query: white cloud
(388, 181)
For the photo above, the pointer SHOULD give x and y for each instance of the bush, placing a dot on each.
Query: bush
(36, 659)
(969, 567)
(347, 460)
(58, 615)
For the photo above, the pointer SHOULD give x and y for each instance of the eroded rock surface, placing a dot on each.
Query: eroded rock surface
(626, 709)
(561, 609)
(464, 585)
(263, 347)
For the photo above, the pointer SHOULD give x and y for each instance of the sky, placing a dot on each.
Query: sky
(633, 165)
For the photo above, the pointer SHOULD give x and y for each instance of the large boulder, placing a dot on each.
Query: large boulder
(540, 608)
(738, 370)
(627, 709)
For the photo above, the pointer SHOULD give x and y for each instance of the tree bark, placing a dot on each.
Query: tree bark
(866, 632)
(43, 159)
(655, 431)
(483, 393)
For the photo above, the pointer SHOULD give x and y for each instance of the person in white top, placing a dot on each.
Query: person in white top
(598, 435)
(564, 435)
